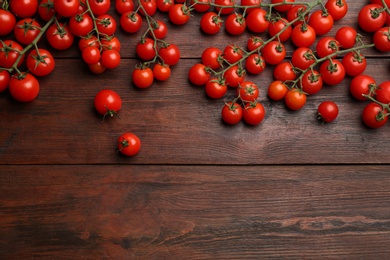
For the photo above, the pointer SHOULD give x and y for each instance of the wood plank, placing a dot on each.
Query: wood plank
(179, 125)
(194, 212)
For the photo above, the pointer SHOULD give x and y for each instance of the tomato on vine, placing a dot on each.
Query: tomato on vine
(277, 90)
(24, 87)
(274, 52)
(346, 36)
(374, 116)
(297, 11)
(66, 8)
(276, 26)
(161, 72)
(212, 57)
(81, 24)
(382, 93)
(164, 5)
(9, 53)
(145, 49)
(99, 7)
(7, 21)
(234, 76)
(332, 72)
(257, 21)
(110, 58)
(210, 23)
(227, 4)
(255, 63)
(199, 74)
(284, 7)
(253, 113)
(382, 39)
(326, 46)
(354, 63)
(179, 14)
(303, 35)
(142, 77)
(201, 8)
(160, 29)
(337, 8)
(91, 54)
(59, 36)
(295, 99)
(371, 17)
(40, 63)
(311, 82)
(4, 80)
(248, 91)
(232, 53)
(321, 22)
(232, 113)
(106, 24)
(284, 71)
(254, 42)
(148, 6)
(303, 58)
(362, 85)
(235, 24)
(216, 88)
(123, 6)
(131, 22)
(169, 53)
(23, 8)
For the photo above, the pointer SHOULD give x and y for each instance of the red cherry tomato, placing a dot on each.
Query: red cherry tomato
(170, 54)
(295, 99)
(232, 113)
(362, 85)
(253, 113)
(354, 63)
(107, 102)
(327, 111)
(129, 144)
(198, 74)
(42, 64)
(216, 88)
(332, 72)
(142, 77)
(337, 8)
(321, 22)
(161, 72)
(370, 18)
(274, 52)
(346, 36)
(374, 116)
(24, 88)
(277, 90)
(7, 21)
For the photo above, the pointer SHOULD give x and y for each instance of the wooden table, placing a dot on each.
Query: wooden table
(199, 189)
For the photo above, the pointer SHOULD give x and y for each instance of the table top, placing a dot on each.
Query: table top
(291, 187)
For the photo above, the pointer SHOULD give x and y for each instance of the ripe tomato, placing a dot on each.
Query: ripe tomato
(124, 6)
(232, 113)
(179, 14)
(4, 80)
(110, 59)
(142, 77)
(23, 8)
(26, 30)
(170, 54)
(9, 53)
(160, 29)
(295, 99)
(212, 57)
(41, 63)
(199, 74)
(253, 113)
(59, 37)
(91, 55)
(161, 72)
(276, 26)
(227, 4)
(296, 12)
(274, 52)
(110, 43)
(256, 20)
(66, 8)
(201, 8)
(337, 8)
(327, 111)
(332, 72)
(107, 103)
(46, 10)
(216, 88)
(381, 39)
(383, 92)
(81, 24)
(248, 91)
(326, 46)
(131, 22)
(311, 82)
(374, 116)
(321, 22)
(106, 24)
(232, 53)
(362, 85)
(249, 3)
(303, 35)
(96, 68)
(99, 7)
(145, 49)
(90, 40)
(210, 23)
(254, 42)
(283, 7)
(370, 18)
(7, 21)
(277, 90)
(284, 71)
(234, 76)
(164, 5)
(24, 88)
(346, 36)
(148, 6)
(129, 144)
(302, 58)
(354, 63)
(235, 24)
(255, 63)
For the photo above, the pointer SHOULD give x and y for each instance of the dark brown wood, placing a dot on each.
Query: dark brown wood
(199, 189)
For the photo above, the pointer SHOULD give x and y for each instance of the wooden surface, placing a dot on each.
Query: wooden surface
(199, 189)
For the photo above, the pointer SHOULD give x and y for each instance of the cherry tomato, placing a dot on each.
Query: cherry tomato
(110, 43)
(145, 49)
(142, 77)
(99, 7)
(198, 74)
(91, 54)
(383, 92)
(274, 52)
(129, 144)
(216, 88)
(24, 88)
(160, 29)
(332, 72)
(327, 111)
(303, 35)
(107, 102)
(295, 99)
(235, 24)
(277, 90)
(326, 46)
(46, 10)
(370, 18)
(302, 58)
(9, 53)
(66, 8)
(248, 91)
(90, 40)
(255, 63)
(232, 53)
(284, 71)
(284, 7)
(59, 37)
(362, 85)
(161, 72)
(41, 63)
(131, 22)
(256, 20)
(253, 113)
(124, 6)
(374, 116)
(232, 113)
(337, 8)
(321, 22)
(311, 82)
(226, 3)
(212, 57)
(23, 8)
(4, 80)
(164, 5)
(150, 7)
(81, 24)
(7, 21)
(26, 30)
(234, 76)
(106, 24)
(201, 8)
(96, 68)
(210, 23)
(110, 59)
(354, 63)
(296, 12)
(346, 36)
(179, 14)
(170, 54)
(277, 26)
(381, 39)
(254, 42)
(249, 3)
